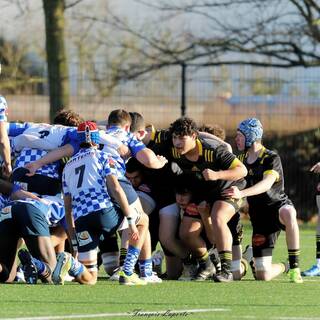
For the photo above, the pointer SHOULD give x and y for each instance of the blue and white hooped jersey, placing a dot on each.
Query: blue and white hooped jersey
(84, 179)
(29, 155)
(3, 109)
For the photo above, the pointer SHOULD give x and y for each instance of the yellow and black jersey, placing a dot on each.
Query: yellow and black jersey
(216, 159)
(160, 141)
(268, 162)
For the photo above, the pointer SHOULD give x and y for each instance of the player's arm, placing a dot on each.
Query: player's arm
(71, 230)
(14, 191)
(118, 194)
(150, 160)
(52, 156)
(236, 171)
(5, 149)
(316, 168)
(114, 143)
(262, 186)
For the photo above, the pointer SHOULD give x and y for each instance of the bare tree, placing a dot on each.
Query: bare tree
(265, 33)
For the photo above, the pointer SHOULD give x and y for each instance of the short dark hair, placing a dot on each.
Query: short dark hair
(67, 118)
(183, 126)
(186, 183)
(137, 121)
(133, 165)
(119, 117)
(214, 129)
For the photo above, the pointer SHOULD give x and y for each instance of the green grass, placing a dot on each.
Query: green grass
(247, 299)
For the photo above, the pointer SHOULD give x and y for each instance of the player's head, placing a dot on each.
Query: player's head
(88, 134)
(184, 132)
(214, 129)
(119, 117)
(185, 188)
(252, 131)
(137, 127)
(67, 118)
(134, 172)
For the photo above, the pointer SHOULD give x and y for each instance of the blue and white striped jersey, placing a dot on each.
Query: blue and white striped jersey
(51, 207)
(41, 136)
(3, 109)
(84, 179)
(29, 155)
(128, 139)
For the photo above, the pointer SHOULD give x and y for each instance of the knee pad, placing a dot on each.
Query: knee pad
(110, 261)
(89, 259)
(263, 263)
(236, 265)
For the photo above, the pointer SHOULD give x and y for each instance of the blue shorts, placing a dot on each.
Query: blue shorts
(90, 227)
(27, 220)
(128, 189)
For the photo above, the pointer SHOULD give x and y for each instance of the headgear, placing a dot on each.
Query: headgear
(88, 132)
(252, 130)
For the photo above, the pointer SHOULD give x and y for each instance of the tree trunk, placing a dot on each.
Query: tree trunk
(56, 55)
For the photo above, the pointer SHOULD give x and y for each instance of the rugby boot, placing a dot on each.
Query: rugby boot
(225, 275)
(152, 279)
(295, 275)
(29, 268)
(214, 257)
(189, 272)
(62, 268)
(132, 280)
(205, 272)
(312, 272)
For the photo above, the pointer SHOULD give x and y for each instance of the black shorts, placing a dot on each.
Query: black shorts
(265, 220)
(263, 244)
(37, 183)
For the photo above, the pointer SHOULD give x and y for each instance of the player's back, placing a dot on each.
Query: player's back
(84, 180)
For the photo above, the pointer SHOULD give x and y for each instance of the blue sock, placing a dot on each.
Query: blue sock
(76, 267)
(130, 260)
(145, 267)
(41, 266)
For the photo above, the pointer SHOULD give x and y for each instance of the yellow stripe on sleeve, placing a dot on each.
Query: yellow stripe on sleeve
(273, 172)
(235, 163)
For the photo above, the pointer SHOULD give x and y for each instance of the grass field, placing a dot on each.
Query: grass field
(247, 299)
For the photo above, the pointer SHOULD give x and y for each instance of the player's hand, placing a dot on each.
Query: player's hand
(6, 170)
(204, 209)
(232, 192)
(316, 168)
(210, 175)
(32, 167)
(133, 232)
(162, 160)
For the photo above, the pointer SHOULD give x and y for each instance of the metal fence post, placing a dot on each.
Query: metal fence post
(183, 89)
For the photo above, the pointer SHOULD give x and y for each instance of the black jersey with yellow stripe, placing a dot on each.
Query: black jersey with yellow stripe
(268, 162)
(214, 158)
(160, 141)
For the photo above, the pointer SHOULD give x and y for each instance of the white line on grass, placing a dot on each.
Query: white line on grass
(135, 313)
